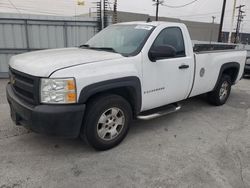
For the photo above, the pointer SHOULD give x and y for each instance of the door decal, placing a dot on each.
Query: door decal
(154, 90)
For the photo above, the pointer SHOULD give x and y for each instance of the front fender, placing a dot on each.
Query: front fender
(131, 82)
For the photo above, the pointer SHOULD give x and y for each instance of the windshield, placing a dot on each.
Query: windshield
(123, 39)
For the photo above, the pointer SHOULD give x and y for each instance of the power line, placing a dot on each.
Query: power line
(30, 10)
(180, 6)
(59, 11)
(161, 2)
(14, 6)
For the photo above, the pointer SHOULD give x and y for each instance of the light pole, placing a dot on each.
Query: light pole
(212, 30)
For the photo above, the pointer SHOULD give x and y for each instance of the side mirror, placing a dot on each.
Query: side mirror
(161, 52)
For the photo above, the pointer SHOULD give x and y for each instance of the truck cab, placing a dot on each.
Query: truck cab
(167, 79)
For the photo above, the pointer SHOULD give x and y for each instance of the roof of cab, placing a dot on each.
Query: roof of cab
(153, 23)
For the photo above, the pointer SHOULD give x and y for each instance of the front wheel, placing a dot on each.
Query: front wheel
(222, 91)
(106, 121)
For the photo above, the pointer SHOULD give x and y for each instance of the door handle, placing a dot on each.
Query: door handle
(184, 67)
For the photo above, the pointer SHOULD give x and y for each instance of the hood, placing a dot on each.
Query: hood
(43, 63)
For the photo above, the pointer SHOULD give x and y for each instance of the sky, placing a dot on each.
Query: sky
(201, 10)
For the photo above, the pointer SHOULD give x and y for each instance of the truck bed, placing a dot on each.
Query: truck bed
(213, 47)
(208, 65)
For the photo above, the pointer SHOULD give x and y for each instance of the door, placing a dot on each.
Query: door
(167, 80)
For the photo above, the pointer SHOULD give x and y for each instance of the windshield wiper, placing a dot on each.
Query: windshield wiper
(104, 48)
(99, 48)
(84, 45)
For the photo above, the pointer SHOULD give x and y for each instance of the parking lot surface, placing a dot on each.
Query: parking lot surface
(199, 146)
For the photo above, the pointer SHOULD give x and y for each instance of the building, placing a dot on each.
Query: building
(26, 32)
(198, 30)
(244, 37)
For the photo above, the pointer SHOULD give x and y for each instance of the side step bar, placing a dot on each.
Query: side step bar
(158, 112)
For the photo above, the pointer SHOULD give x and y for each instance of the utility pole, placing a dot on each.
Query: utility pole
(239, 20)
(99, 15)
(242, 31)
(158, 3)
(157, 10)
(212, 30)
(115, 12)
(222, 20)
(105, 13)
(232, 23)
(102, 13)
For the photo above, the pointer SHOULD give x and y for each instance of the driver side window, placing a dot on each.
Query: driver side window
(171, 37)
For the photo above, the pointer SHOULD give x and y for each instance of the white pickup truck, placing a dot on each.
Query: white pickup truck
(127, 71)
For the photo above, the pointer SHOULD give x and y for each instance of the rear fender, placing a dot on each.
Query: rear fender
(226, 66)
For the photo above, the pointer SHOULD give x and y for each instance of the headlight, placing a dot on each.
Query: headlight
(248, 62)
(58, 91)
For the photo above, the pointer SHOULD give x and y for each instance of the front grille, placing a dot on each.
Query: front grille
(25, 86)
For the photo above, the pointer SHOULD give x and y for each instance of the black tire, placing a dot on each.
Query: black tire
(92, 129)
(215, 97)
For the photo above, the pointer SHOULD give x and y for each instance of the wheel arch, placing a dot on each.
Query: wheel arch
(232, 69)
(127, 87)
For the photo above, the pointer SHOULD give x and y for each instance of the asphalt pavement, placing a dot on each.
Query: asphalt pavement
(201, 146)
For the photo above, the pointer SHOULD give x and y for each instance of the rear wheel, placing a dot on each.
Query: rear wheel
(106, 121)
(222, 91)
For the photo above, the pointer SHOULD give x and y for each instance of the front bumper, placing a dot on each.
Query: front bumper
(58, 120)
(247, 69)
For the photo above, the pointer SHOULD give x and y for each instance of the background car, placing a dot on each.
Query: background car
(247, 67)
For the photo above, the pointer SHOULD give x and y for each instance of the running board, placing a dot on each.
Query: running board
(158, 112)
